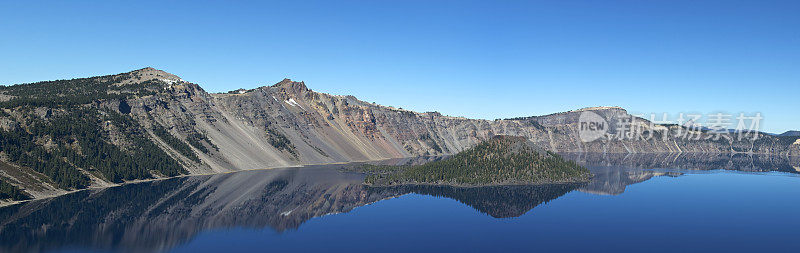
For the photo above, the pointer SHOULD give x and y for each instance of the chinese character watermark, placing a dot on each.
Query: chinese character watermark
(693, 127)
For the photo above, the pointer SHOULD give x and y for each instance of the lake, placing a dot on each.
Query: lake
(634, 203)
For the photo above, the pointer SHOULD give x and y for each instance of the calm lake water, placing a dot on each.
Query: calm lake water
(635, 203)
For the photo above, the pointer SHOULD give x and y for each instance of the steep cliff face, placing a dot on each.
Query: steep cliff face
(151, 115)
(288, 124)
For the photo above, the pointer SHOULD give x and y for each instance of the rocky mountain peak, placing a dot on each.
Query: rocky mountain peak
(291, 86)
(149, 73)
(601, 108)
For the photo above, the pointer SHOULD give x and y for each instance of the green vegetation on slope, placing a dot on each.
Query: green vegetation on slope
(65, 130)
(141, 157)
(280, 142)
(501, 160)
(74, 92)
(196, 139)
(174, 142)
(8, 191)
(20, 147)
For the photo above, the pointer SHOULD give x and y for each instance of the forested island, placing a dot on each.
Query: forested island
(501, 160)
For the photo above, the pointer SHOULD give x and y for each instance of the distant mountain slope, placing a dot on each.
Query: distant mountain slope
(98, 131)
(790, 133)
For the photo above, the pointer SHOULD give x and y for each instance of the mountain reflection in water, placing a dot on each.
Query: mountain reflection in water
(496, 201)
(160, 215)
(614, 172)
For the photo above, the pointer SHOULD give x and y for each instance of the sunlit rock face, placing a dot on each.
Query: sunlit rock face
(322, 128)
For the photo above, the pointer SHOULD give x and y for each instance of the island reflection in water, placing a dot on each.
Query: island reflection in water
(159, 215)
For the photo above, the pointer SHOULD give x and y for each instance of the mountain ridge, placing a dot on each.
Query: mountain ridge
(285, 124)
(790, 133)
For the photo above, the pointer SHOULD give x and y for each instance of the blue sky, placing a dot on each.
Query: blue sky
(479, 59)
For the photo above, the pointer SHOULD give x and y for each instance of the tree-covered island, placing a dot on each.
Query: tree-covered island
(501, 160)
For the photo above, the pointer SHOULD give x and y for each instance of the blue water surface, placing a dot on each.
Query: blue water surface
(666, 203)
(720, 212)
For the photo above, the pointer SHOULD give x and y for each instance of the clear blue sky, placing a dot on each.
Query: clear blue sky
(487, 59)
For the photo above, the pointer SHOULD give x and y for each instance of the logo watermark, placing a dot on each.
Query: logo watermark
(712, 126)
(591, 126)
